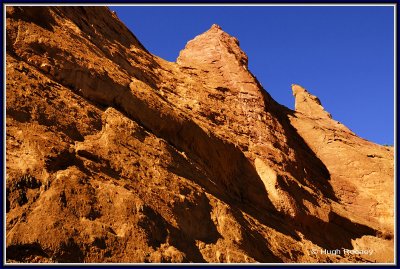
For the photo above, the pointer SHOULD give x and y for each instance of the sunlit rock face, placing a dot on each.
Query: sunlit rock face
(116, 155)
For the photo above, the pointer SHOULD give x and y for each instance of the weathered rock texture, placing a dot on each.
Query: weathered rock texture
(116, 155)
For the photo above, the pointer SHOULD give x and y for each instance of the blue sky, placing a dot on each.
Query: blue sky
(343, 55)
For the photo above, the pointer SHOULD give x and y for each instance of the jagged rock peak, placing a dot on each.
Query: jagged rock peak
(308, 104)
(212, 47)
(215, 26)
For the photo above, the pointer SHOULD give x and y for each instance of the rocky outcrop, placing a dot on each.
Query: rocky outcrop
(360, 170)
(308, 104)
(116, 155)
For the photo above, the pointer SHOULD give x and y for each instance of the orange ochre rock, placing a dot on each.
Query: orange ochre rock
(116, 155)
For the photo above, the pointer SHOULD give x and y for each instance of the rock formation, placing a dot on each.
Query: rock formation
(116, 155)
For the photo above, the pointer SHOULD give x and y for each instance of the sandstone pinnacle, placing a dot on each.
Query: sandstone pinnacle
(216, 26)
(307, 103)
(212, 46)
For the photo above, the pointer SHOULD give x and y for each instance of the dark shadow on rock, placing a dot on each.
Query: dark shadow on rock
(18, 114)
(299, 194)
(194, 219)
(225, 163)
(186, 245)
(17, 190)
(40, 16)
(140, 134)
(307, 165)
(338, 232)
(69, 252)
(154, 225)
(254, 244)
(227, 173)
(267, 216)
(335, 234)
(63, 160)
(225, 170)
(23, 252)
(102, 165)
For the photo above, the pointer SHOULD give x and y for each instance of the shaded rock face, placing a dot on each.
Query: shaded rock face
(115, 155)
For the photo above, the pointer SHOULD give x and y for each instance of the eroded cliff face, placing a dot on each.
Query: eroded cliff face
(116, 155)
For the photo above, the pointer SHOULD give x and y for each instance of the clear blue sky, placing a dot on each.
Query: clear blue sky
(343, 55)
